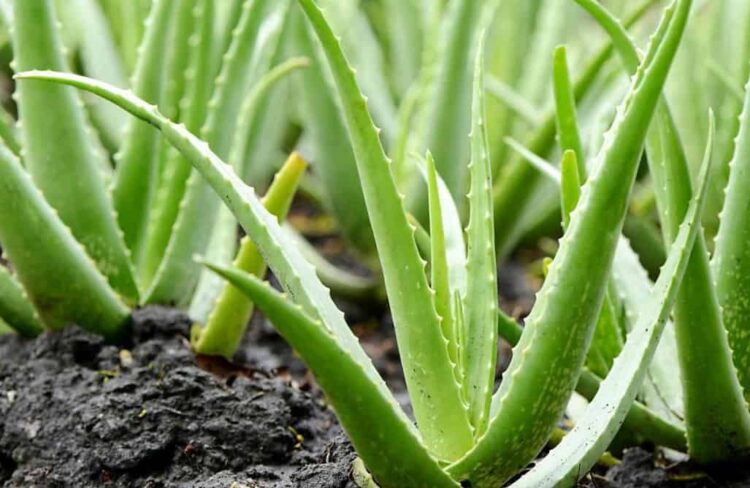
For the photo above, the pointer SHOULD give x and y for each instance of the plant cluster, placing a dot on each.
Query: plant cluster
(664, 362)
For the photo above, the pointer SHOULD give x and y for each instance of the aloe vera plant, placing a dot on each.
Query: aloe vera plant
(117, 237)
(446, 323)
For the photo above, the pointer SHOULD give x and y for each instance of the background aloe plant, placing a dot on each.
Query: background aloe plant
(121, 212)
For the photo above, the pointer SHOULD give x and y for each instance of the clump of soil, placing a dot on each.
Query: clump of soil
(77, 412)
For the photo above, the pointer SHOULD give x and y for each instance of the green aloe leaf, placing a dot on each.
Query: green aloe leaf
(580, 449)
(480, 302)
(436, 399)
(439, 270)
(59, 148)
(380, 432)
(60, 279)
(731, 261)
(331, 150)
(16, 311)
(559, 329)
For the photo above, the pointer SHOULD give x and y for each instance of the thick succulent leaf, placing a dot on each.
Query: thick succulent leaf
(717, 417)
(57, 274)
(177, 275)
(59, 149)
(331, 150)
(361, 46)
(513, 186)
(232, 310)
(136, 171)
(579, 450)
(480, 302)
(439, 271)
(16, 310)
(448, 113)
(547, 361)
(652, 426)
(380, 432)
(174, 175)
(570, 184)
(731, 261)
(565, 105)
(295, 274)
(405, 42)
(436, 398)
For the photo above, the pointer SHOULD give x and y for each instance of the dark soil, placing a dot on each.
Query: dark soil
(76, 412)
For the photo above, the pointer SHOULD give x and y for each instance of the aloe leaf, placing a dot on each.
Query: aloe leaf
(231, 313)
(514, 101)
(101, 59)
(439, 271)
(652, 426)
(380, 432)
(579, 450)
(405, 42)
(700, 331)
(284, 259)
(177, 274)
(136, 171)
(16, 310)
(58, 147)
(514, 184)
(331, 149)
(559, 329)
(447, 115)
(193, 110)
(565, 104)
(570, 184)
(480, 302)
(361, 46)
(731, 259)
(60, 279)
(436, 399)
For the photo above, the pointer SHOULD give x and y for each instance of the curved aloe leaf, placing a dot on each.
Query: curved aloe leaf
(731, 261)
(438, 407)
(58, 147)
(16, 310)
(136, 171)
(560, 327)
(231, 313)
(579, 450)
(332, 151)
(284, 259)
(717, 418)
(382, 436)
(439, 270)
(480, 302)
(59, 277)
